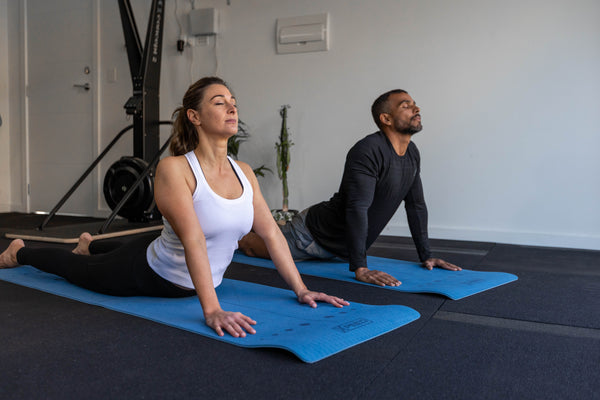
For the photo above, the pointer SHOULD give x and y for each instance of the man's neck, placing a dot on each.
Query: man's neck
(399, 141)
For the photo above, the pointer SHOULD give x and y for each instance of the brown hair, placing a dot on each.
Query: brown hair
(184, 137)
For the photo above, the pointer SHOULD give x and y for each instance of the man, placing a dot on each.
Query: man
(381, 171)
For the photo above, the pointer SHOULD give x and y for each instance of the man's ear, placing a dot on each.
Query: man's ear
(385, 119)
(193, 116)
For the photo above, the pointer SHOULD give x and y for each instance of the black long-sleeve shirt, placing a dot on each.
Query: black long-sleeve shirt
(375, 181)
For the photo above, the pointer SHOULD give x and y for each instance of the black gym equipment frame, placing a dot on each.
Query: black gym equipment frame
(145, 76)
(144, 65)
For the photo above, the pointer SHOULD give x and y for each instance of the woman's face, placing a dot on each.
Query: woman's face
(218, 112)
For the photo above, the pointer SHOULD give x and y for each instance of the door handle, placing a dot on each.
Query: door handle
(85, 86)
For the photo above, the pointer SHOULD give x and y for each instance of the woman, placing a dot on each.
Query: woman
(208, 202)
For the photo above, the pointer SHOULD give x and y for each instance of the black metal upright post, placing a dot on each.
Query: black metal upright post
(144, 65)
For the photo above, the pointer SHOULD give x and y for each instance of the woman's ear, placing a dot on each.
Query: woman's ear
(193, 117)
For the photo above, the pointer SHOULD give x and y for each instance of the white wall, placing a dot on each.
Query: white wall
(4, 111)
(509, 93)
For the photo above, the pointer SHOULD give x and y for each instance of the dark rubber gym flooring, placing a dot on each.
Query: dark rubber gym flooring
(536, 338)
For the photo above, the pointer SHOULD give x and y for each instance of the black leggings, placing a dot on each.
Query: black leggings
(117, 268)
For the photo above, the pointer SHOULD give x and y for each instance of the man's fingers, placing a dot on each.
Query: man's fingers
(378, 278)
(383, 279)
(450, 267)
(455, 267)
(436, 262)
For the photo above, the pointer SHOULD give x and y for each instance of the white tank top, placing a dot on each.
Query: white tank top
(223, 223)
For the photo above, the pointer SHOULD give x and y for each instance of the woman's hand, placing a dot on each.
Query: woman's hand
(235, 323)
(309, 297)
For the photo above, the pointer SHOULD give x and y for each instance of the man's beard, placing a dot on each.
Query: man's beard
(410, 129)
(414, 130)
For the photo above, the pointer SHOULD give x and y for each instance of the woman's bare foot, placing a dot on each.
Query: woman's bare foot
(8, 259)
(83, 245)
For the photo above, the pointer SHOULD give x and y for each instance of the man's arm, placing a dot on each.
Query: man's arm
(359, 181)
(358, 186)
(416, 212)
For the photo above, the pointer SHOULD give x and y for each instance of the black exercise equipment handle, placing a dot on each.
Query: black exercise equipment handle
(82, 178)
(133, 187)
(90, 169)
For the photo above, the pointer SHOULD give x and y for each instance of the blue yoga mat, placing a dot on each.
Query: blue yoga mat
(310, 333)
(415, 279)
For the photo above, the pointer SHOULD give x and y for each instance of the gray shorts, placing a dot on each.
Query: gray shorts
(300, 241)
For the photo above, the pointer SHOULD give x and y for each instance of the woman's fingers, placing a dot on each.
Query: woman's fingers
(311, 298)
(234, 323)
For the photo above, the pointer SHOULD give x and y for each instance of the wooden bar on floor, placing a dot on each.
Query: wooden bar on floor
(70, 233)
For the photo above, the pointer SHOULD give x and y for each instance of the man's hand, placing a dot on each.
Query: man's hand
(438, 262)
(309, 297)
(377, 277)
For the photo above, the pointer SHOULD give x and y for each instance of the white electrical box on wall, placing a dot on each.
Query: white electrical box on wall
(303, 34)
(204, 22)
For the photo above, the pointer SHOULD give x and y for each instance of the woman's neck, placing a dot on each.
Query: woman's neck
(212, 153)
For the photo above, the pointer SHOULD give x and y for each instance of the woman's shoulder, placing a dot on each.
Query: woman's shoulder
(173, 162)
(245, 167)
(173, 165)
(249, 172)
(175, 170)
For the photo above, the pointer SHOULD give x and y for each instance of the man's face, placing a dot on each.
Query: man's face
(404, 116)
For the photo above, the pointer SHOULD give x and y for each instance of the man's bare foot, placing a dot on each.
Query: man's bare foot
(83, 245)
(8, 259)
(253, 245)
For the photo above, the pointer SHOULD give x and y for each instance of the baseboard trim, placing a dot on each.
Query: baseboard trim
(572, 241)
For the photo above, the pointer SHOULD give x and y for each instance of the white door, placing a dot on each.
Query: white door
(60, 107)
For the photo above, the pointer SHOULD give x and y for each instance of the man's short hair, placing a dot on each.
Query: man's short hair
(381, 105)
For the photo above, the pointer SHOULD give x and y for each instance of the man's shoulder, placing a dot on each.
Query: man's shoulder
(413, 150)
(370, 142)
(373, 138)
(369, 152)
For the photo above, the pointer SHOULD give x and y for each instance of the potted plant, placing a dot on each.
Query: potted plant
(284, 214)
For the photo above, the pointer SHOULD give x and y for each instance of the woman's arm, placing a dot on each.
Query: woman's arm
(173, 187)
(265, 226)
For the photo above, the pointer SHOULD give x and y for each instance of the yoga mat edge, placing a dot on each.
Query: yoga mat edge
(455, 285)
(310, 334)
